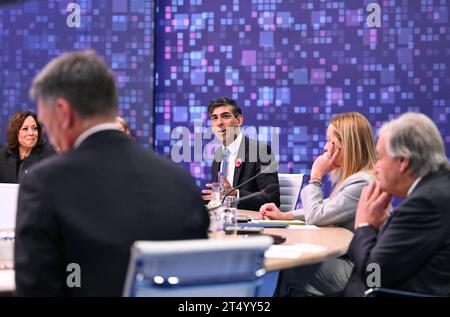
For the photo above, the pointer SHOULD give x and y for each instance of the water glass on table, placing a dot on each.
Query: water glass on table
(229, 213)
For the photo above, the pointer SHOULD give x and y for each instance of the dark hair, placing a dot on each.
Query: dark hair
(14, 125)
(83, 79)
(222, 101)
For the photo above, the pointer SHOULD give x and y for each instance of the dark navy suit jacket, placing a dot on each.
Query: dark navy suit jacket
(255, 156)
(412, 248)
(89, 205)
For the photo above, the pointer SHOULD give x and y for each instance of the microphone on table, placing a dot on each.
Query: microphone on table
(269, 189)
(269, 167)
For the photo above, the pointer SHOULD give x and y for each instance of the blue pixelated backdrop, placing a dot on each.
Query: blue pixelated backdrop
(293, 64)
(33, 32)
(290, 64)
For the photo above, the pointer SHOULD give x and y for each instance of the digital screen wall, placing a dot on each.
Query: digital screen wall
(122, 31)
(289, 64)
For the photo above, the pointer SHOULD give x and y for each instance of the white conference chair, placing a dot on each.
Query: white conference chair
(208, 267)
(8, 210)
(8, 205)
(290, 185)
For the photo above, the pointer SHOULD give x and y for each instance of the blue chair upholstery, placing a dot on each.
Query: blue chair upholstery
(213, 268)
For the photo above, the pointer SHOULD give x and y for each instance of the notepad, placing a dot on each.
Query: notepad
(283, 252)
(305, 227)
(263, 225)
(287, 222)
(310, 248)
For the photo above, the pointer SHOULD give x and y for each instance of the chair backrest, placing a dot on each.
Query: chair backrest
(215, 267)
(290, 185)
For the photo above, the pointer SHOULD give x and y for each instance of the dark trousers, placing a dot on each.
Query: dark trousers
(321, 279)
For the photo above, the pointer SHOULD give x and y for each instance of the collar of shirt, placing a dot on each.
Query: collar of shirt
(92, 130)
(234, 146)
(413, 185)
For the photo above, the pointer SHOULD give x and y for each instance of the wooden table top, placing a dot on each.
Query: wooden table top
(335, 240)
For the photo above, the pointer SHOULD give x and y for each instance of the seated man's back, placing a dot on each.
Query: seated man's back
(88, 207)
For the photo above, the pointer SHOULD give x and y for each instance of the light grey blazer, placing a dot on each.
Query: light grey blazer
(339, 210)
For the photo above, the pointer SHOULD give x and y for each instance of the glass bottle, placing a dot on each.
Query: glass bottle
(215, 209)
(221, 180)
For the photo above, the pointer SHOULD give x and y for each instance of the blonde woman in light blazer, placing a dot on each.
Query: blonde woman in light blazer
(350, 158)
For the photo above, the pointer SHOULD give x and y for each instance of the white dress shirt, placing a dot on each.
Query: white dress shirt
(413, 186)
(233, 148)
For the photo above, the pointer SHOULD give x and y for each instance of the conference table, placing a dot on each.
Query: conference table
(330, 242)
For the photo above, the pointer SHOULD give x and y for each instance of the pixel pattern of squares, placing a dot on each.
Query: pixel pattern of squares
(121, 31)
(290, 64)
(293, 64)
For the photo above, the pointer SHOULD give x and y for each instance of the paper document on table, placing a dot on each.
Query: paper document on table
(283, 252)
(305, 227)
(287, 222)
(310, 248)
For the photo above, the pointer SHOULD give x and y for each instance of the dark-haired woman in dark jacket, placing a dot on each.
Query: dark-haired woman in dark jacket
(26, 146)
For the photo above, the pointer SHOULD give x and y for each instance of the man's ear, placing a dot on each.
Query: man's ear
(240, 120)
(404, 163)
(65, 113)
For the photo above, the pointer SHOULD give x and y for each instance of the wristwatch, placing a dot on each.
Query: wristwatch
(315, 181)
(363, 224)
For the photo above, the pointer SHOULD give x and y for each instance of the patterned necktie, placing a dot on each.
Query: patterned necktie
(226, 154)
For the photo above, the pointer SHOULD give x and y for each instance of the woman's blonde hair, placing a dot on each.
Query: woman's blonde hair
(124, 125)
(356, 135)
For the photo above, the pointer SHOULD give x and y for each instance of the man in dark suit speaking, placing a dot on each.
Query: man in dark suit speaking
(88, 205)
(409, 249)
(241, 158)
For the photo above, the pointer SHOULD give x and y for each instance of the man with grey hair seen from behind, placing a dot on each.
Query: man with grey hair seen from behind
(409, 249)
(88, 205)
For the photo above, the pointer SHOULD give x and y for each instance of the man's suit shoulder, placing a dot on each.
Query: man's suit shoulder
(258, 150)
(435, 182)
(58, 166)
(430, 199)
(434, 188)
(257, 143)
(437, 193)
(167, 165)
(52, 165)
